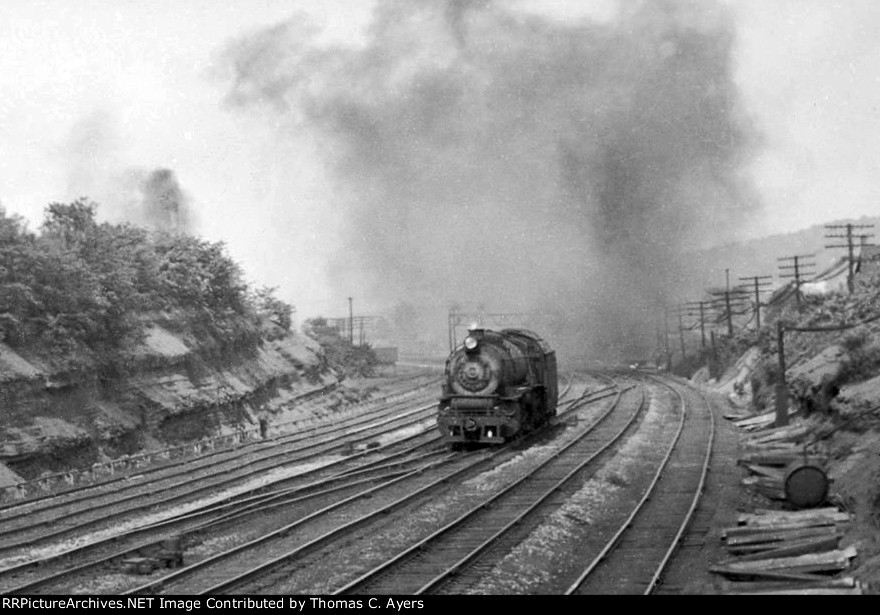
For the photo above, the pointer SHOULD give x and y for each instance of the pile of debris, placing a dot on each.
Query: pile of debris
(788, 552)
(792, 551)
(784, 463)
(166, 553)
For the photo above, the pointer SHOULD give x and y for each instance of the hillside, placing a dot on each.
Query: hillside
(706, 268)
(57, 420)
(832, 379)
(115, 340)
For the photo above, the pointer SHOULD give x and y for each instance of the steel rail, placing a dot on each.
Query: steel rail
(231, 475)
(188, 466)
(359, 583)
(309, 546)
(694, 503)
(612, 543)
(224, 510)
(295, 496)
(382, 406)
(315, 543)
(235, 506)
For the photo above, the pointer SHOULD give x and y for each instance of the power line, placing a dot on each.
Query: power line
(702, 305)
(468, 319)
(678, 310)
(730, 299)
(351, 320)
(850, 246)
(800, 268)
(760, 287)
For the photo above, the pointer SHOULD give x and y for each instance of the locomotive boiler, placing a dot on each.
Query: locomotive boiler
(498, 385)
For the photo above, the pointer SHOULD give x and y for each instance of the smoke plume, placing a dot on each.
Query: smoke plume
(155, 200)
(94, 157)
(485, 154)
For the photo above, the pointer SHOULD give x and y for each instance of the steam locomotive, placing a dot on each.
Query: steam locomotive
(498, 385)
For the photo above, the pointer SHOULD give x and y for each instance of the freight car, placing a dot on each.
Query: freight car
(498, 386)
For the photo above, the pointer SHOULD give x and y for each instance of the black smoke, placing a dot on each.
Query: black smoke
(163, 205)
(152, 198)
(484, 154)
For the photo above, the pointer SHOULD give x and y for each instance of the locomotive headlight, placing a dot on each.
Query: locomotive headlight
(470, 342)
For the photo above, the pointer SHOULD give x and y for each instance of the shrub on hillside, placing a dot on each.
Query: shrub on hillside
(339, 353)
(79, 288)
(267, 305)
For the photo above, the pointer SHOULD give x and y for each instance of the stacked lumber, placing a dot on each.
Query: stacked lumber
(759, 421)
(769, 452)
(788, 553)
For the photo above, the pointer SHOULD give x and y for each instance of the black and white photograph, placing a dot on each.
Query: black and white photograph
(324, 305)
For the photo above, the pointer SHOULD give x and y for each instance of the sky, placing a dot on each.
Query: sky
(94, 91)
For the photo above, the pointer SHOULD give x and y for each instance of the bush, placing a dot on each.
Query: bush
(79, 287)
(270, 307)
(339, 353)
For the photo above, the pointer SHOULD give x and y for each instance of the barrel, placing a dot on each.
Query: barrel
(805, 484)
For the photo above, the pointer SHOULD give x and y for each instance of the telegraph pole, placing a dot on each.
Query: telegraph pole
(678, 310)
(781, 386)
(798, 271)
(729, 312)
(850, 246)
(350, 322)
(702, 315)
(450, 319)
(759, 283)
(731, 299)
(666, 339)
(482, 318)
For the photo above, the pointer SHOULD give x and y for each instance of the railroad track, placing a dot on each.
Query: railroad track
(377, 407)
(206, 518)
(316, 530)
(452, 554)
(27, 529)
(270, 560)
(257, 514)
(634, 558)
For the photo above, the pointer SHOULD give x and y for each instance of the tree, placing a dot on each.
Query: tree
(69, 223)
(266, 304)
(339, 353)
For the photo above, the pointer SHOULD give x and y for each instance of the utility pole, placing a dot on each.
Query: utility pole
(800, 268)
(450, 320)
(729, 313)
(850, 246)
(482, 318)
(666, 339)
(678, 310)
(759, 283)
(781, 386)
(702, 315)
(658, 337)
(350, 322)
(731, 299)
(365, 324)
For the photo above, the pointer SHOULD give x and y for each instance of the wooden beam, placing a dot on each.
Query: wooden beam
(790, 549)
(781, 536)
